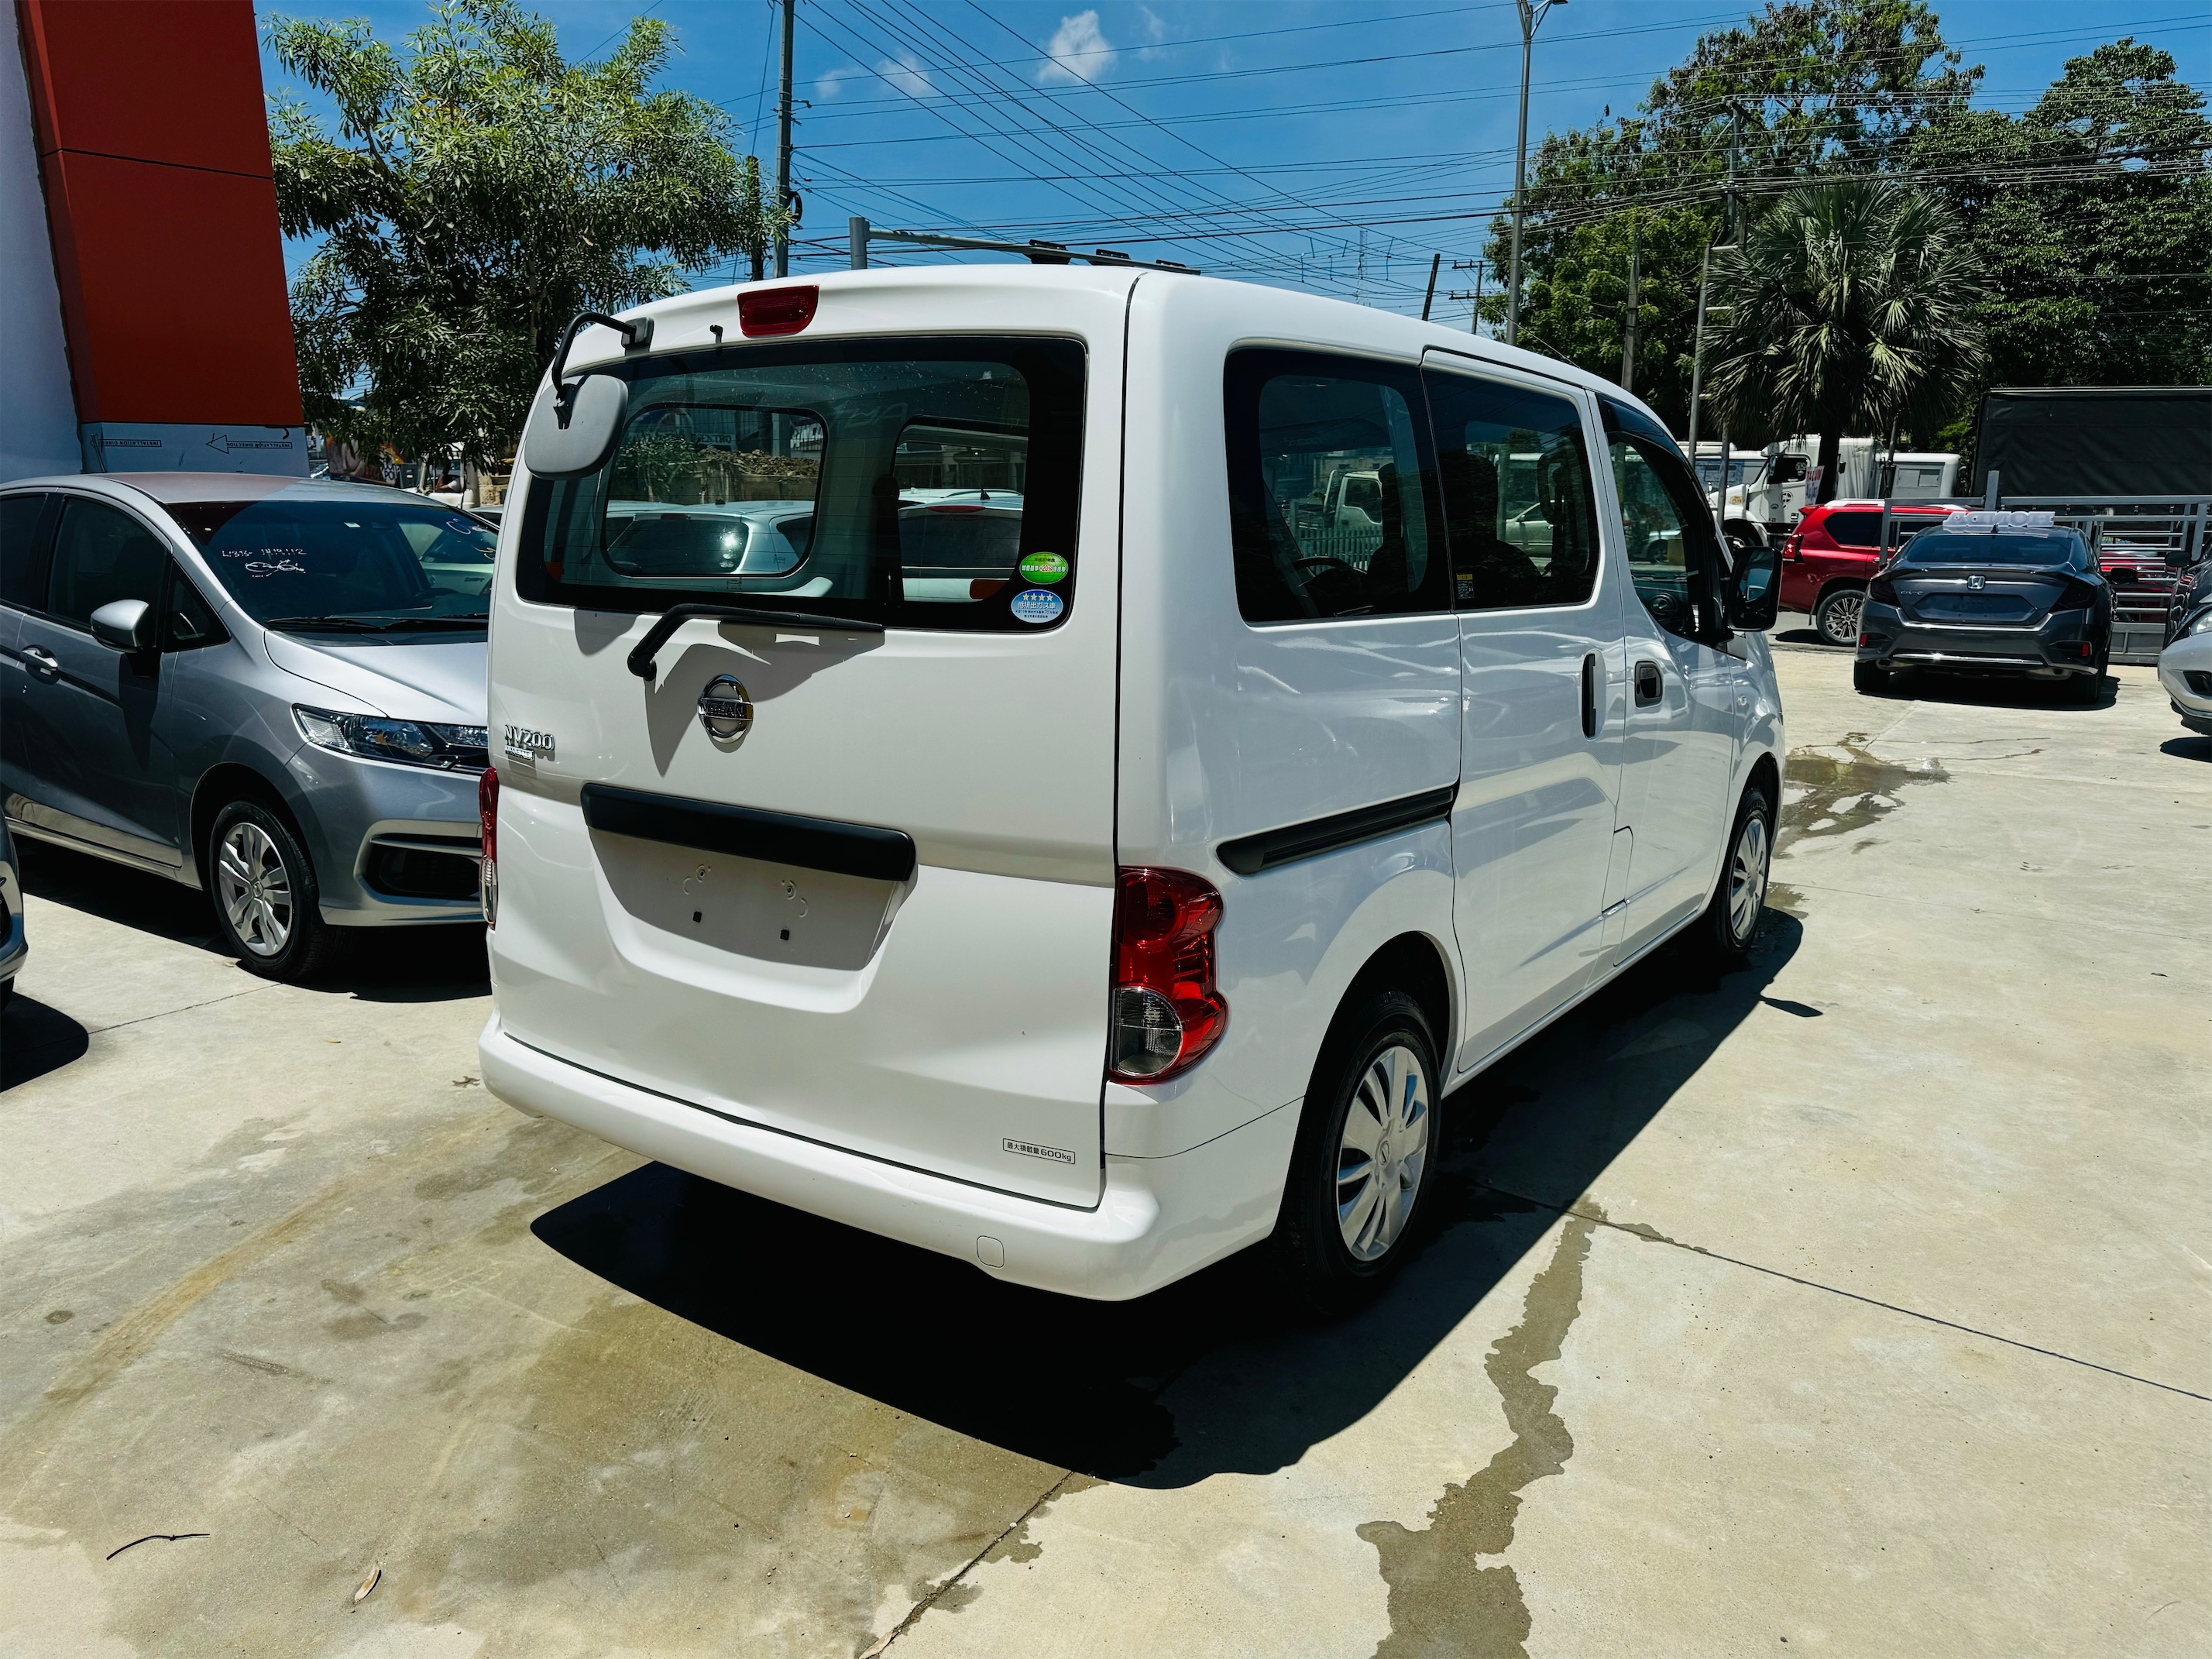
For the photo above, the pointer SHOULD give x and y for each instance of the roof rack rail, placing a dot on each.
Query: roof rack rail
(1037, 251)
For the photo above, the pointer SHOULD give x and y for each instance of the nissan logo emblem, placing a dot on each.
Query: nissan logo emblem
(724, 709)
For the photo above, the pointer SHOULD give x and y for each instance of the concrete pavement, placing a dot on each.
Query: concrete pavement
(1854, 1305)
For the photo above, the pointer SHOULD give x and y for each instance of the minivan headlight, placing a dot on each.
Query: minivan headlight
(411, 743)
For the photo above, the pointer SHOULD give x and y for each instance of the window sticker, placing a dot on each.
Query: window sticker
(1037, 604)
(1043, 568)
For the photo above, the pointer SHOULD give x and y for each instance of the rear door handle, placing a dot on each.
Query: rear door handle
(1648, 686)
(1589, 695)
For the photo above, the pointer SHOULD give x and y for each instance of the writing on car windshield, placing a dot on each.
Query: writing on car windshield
(932, 485)
(346, 565)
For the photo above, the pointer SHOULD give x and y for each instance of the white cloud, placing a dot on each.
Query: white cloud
(907, 75)
(1077, 50)
(1156, 27)
(834, 82)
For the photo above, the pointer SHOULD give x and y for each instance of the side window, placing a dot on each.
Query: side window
(189, 621)
(1673, 552)
(1515, 476)
(101, 553)
(1854, 529)
(1332, 508)
(22, 577)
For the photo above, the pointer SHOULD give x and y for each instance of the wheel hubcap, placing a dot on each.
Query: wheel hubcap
(1384, 1154)
(255, 888)
(1844, 620)
(1747, 876)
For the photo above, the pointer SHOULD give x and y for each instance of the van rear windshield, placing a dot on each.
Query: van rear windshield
(916, 483)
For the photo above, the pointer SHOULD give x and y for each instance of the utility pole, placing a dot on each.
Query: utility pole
(1474, 319)
(1531, 16)
(1635, 299)
(783, 145)
(1698, 365)
(1430, 298)
(1728, 223)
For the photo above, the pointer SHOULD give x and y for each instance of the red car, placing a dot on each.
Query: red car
(1827, 560)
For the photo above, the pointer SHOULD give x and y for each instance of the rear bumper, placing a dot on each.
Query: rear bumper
(1158, 1218)
(2053, 646)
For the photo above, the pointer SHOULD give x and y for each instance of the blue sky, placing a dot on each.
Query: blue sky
(1156, 128)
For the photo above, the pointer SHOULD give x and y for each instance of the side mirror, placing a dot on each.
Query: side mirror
(567, 437)
(1754, 598)
(127, 625)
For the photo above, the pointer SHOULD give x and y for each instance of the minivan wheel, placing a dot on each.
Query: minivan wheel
(1731, 920)
(1366, 1159)
(1836, 617)
(266, 903)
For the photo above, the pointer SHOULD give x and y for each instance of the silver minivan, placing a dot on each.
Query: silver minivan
(269, 688)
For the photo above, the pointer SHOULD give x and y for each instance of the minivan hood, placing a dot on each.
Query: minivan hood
(408, 677)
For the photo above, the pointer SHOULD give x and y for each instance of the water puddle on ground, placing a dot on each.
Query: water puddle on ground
(1441, 1603)
(1844, 788)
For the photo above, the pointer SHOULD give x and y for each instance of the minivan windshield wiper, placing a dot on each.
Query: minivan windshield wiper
(369, 625)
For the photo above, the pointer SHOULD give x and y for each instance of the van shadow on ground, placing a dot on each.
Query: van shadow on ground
(1081, 1384)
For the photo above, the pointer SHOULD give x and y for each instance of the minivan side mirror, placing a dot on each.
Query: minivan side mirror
(125, 625)
(1754, 598)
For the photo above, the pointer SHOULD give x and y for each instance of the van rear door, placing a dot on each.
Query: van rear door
(840, 864)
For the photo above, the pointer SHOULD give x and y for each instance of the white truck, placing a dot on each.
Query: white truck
(1771, 486)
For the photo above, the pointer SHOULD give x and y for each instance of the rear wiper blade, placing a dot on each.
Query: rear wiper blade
(640, 657)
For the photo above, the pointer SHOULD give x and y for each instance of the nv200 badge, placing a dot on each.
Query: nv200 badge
(521, 744)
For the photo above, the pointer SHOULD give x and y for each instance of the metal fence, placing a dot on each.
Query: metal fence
(2144, 548)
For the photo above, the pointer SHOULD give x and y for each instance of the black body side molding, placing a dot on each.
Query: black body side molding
(1250, 854)
(844, 849)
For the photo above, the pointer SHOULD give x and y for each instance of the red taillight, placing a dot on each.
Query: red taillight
(776, 310)
(1167, 1012)
(488, 817)
(1791, 543)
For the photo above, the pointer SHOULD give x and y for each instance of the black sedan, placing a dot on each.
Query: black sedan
(1988, 599)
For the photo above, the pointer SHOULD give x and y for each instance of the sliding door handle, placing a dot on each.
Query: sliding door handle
(1649, 688)
(1589, 695)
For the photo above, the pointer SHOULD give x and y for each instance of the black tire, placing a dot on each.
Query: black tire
(1730, 923)
(1319, 1269)
(2089, 690)
(272, 921)
(1870, 678)
(1839, 608)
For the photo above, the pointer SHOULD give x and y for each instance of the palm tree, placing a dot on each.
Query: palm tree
(1852, 307)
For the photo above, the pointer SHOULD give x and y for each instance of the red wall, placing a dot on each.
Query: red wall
(153, 150)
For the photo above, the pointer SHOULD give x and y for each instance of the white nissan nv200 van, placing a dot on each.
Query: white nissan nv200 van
(1093, 856)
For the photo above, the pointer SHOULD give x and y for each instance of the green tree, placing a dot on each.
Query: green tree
(1808, 88)
(1850, 306)
(2093, 215)
(481, 189)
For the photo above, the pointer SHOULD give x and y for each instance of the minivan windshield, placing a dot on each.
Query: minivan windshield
(346, 565)
(1933, 547)
(919, 482)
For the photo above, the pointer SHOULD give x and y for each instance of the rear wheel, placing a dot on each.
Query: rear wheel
(1731, 920)
(2089, 689)
(1366, 1156)
(1871, 678)
(266, 903)
(1836, 617)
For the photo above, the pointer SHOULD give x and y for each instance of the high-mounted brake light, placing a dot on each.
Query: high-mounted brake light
(1167, 1011)
(770, 311)
(487, 815)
